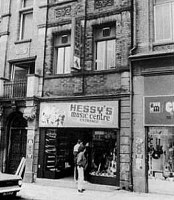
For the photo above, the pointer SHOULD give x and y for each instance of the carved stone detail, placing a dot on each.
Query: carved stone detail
(103, 3)
(63, 12)
(30, 113)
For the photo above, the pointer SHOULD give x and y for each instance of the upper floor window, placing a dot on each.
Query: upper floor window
(105, 47)
(62, 58)
(164, 20)
(26, 19)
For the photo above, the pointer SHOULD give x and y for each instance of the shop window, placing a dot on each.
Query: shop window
(161, 152)
(105, 45)
(26, 19)
(62, 54)
(104, 154)
(164, 12)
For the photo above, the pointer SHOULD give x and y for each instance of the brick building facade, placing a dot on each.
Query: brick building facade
(152, 69)
(75, 65)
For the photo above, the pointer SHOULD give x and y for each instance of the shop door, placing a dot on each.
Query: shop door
(17, 148)
(161, 160)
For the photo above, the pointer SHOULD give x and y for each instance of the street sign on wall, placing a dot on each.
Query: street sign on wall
(159, 111)
(101, 114)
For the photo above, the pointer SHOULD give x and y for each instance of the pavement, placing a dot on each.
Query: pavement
(46, 189)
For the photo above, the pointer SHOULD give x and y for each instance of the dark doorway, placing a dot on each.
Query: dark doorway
(17, 141)
(56, 158)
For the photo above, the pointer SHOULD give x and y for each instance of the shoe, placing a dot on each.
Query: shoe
(80, 191)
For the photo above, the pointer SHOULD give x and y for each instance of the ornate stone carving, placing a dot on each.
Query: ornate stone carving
(63, 12)
(30, 113)
(103, 3)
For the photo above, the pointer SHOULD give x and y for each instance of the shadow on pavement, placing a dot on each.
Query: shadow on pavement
(11, 198)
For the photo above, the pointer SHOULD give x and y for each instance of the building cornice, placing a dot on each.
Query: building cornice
(151, 55)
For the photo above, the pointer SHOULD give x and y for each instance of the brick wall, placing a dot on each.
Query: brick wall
(60, 19)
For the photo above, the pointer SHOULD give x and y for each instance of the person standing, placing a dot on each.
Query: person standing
(75, 152)
(81, 163)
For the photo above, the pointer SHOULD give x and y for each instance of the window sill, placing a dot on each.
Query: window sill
(105, 71)
(86, 73)
(162, 43)
(50, 76)
(23, 41)
(43, 5)
(6, 15)
(27, 9)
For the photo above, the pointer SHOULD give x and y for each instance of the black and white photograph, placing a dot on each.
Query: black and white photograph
(87, 99)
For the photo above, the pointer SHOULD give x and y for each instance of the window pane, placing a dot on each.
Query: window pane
(110, 54)
(104, 154)
(100, 60)
(20, 74)
(60, 61)
(163, 15)
(67, 59)
(27, 26)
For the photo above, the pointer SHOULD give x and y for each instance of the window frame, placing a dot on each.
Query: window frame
(98, 38)
(24, 10)
(157, 4)
(58, 45)
(28, 66)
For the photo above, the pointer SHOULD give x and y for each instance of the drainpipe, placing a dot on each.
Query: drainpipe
(133, 47)
(84, 46)
(46, 27)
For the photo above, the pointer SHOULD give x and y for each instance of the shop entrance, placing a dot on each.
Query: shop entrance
(161, 160)
(56, 158)
(56, 155)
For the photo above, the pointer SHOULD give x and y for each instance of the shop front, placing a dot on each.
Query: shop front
(159, 122)
(95, 123)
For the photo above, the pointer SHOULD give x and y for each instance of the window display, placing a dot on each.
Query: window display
(101, 153)
(161, 152)
(104, 154)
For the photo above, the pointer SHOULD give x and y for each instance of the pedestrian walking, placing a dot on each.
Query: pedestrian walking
(75, 152)
(81, 163)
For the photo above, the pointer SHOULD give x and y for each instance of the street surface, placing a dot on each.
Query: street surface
(36, 191)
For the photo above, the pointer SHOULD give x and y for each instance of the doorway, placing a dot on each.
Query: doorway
(161, 160)
(56, 159)
(17, 140)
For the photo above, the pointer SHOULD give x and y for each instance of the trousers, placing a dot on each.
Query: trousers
(80, 177)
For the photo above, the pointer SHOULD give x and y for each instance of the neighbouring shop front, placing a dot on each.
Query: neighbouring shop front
(95, 123)
(159, 122)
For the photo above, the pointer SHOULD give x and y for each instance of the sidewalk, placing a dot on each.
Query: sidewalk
(67, 190)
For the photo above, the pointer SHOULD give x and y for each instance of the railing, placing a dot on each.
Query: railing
(15, 89)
